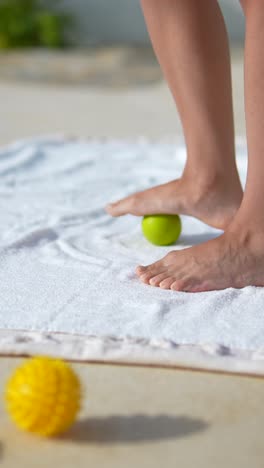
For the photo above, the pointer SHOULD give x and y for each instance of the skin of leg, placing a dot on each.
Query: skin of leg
(191, 44)
(236, 258)
(254, 101)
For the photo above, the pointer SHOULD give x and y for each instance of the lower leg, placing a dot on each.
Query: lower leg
(191, 44)
(190, 41)
(235, 259)
(252, 207)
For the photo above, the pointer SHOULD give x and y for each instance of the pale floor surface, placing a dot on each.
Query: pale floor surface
(31, 109)
(133, 416)
(151, 418)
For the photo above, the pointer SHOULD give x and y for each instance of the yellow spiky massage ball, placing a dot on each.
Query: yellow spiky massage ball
(43, 396)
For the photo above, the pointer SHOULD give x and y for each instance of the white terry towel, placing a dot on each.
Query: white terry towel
(67, 266)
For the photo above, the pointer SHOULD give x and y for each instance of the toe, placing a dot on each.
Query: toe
(156, 280)
(152, 270)
(148, 276)
(140, 270)
(121, 207)
(166, 283)
(145, 278)
(115, 209)
(179, 285)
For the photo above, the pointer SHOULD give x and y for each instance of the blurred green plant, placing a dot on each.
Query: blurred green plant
(31, 23)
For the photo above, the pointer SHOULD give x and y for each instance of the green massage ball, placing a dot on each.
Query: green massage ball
(161, 229)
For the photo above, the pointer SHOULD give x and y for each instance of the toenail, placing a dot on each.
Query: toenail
(143, 276)
(179, 286)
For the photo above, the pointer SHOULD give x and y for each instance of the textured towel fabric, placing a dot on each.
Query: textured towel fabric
(67, 266)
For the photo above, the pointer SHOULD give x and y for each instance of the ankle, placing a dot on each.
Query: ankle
(247, 230)
(211, 179)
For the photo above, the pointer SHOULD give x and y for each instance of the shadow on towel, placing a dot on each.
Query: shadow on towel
(129, 429)
(193, 239)
(34, 239)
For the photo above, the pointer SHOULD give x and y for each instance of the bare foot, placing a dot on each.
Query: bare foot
(235, 259)
(214, 201)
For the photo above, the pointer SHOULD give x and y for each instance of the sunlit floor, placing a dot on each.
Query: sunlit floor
(149, 418)
(29, 109)
(133, 417)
